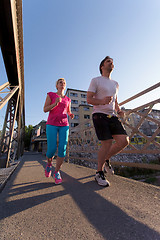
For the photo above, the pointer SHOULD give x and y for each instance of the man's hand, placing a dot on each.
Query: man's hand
(121, 114)
(106, 100)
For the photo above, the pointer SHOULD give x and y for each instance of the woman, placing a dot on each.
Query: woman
(58, 105)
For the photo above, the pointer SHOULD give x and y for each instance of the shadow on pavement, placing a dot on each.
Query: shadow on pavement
(108, 219)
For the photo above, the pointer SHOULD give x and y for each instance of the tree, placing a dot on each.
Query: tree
(28, 135)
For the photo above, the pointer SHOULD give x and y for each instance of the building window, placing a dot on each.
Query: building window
(86, 108)
(87, 116)
(87, 124)
(83, 102)
(76, 116)
(83, 96)
(74, 109)
(74, 124)
(74, 101)
(74, 94)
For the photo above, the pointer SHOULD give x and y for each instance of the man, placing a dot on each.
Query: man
(102, 94)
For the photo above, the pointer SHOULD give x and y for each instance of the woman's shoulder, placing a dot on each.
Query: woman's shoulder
(68, 99)
(51, 94)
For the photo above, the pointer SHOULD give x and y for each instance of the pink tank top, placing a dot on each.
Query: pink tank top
(58, 115)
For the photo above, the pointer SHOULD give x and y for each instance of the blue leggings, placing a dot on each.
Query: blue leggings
(51, 132)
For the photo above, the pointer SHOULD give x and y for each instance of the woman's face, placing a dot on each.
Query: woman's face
(61, 84)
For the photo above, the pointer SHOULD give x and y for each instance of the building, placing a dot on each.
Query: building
(38, 139)
(79, 107)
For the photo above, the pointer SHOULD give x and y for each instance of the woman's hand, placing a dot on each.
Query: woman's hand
(48, 106)
(58, 100)
(71, 115)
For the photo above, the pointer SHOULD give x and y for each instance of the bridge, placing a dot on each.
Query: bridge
(12, 92)
(31, 206)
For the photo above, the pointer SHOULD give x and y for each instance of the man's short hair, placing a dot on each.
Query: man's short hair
(102, 63)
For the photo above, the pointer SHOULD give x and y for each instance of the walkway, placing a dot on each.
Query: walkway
(33, 207)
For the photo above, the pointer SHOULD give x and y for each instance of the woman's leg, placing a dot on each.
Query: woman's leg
(51, 132)
(63, 140)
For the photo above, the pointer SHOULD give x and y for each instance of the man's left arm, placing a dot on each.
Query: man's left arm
(120, 112)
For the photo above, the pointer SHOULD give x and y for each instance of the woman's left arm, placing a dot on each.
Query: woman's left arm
(69, 111)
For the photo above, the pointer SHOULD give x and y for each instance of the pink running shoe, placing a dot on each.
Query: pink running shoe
(57, 177)
(48, 170)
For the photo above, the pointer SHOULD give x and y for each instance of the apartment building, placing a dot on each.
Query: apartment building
(82, 111)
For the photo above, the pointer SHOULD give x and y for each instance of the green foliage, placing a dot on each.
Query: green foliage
(151, 180)
(28, 135)
(156, 161)
(131, 172)
(145, 175)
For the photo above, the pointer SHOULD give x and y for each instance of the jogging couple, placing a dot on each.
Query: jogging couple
(102, 94)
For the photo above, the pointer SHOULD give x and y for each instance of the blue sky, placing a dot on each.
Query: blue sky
(69, 38)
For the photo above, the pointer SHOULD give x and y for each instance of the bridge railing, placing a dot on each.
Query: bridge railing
(12, 92)
(143, 128)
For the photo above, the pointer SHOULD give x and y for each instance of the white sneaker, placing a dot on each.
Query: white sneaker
(100, 178)
(108, 168)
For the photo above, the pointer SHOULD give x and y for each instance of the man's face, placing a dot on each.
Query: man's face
(108, 65)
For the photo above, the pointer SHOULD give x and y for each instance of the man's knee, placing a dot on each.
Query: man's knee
(126, 141)
(122, 141)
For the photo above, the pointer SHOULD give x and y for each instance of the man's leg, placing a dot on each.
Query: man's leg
(121, 141)
(100, 178)
(105, 148)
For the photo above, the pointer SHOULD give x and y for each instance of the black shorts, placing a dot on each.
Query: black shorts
(107, 126)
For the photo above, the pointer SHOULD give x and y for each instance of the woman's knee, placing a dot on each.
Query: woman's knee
(62, 150)
(50, 152)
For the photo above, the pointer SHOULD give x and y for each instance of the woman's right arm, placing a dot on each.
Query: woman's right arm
(48, 106)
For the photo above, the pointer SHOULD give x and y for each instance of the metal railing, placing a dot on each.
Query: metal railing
(83, 143)
(12, 136)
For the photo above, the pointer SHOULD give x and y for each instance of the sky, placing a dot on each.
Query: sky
(69, 38)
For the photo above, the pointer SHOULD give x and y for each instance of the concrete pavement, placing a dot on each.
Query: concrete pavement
(33, 207)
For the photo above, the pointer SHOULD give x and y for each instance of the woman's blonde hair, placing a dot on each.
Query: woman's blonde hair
(59, 80)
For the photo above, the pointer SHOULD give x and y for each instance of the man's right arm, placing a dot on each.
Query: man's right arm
(94, 101)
